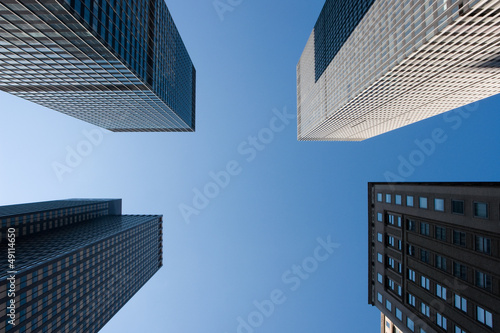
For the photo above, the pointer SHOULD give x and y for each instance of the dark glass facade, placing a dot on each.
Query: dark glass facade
(119, 64)
(337, 21)
(82, 262)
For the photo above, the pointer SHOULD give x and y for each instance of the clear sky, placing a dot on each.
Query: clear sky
(285, 223)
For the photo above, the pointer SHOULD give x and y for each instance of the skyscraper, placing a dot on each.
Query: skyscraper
(434, 255)
(371, 66)
(118, 64)
(74, 263)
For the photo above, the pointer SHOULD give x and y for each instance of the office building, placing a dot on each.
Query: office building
(117, 64)
(434, 255)
(372, 66)
(76, 263)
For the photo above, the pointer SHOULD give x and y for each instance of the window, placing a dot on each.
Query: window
(391, 284)
(388, 305)
(379, 197)
(459, 238)
(391, 262)
(460, 271)
(457, 206)
(441, 321)
(379, 217)
(399, 221)
(390, 240)
(409, 200)
(391, 219)
(424, 256)
(459, 330)
(460, 303)
(481, 209)
(399, 314)
(379, 297)
(483, 244)
(422, 202)
(388, 198)
(411, 299)
(441, 291)
(424, 282)
(411, 275)
(397, 199)
(380, 257)
(400, 292)
(411, 225)
(441, 262)
(380, 237)
(380, 278)
(440, 233)
(425, 309)
(484, 317)
(410, 324)
(424, 228)
(411, 250)
(439, 205)
(483, 280)
(422, 330)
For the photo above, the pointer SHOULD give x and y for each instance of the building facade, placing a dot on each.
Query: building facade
(75, 263)
(370, 67)
(118, 64)
(434, 255)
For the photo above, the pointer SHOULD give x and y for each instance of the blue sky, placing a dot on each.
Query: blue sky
(287, 225)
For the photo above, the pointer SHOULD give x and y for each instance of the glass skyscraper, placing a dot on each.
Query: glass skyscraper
(76, 263)
(118, 64)
(372, 66)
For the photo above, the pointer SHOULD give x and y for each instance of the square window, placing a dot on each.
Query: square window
(439, 205)
(399, 314)
(380, 217)
(379, 197)
(397, 199)
(422, 202)
(457, 206)
(481, 209)
(409, 200)
(380, 278)
(380, 237)
(379, 297)
(410, 324)
(388, 305)
(388, 198)
(380, 257)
